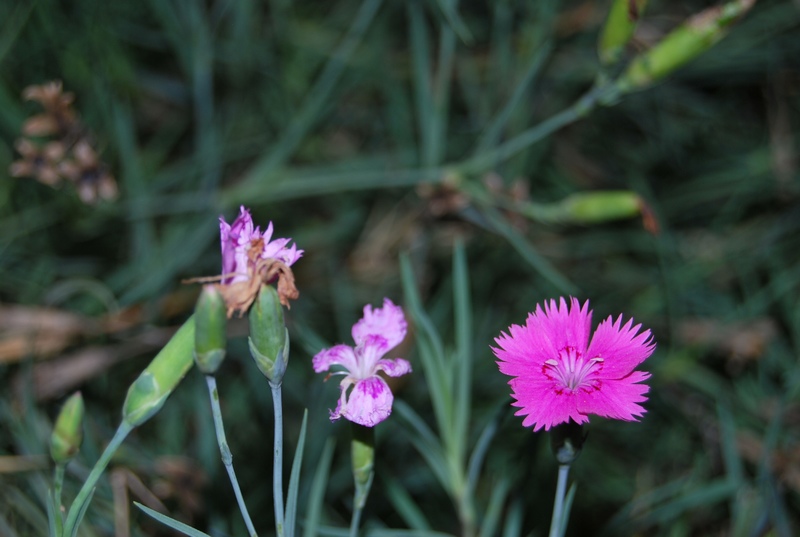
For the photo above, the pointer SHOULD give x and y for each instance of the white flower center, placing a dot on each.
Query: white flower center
(573, 371)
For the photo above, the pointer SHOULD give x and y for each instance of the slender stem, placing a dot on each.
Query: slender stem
(225, 452)
(277, 462)
(556, 530)
(58, 485)
(77, 508)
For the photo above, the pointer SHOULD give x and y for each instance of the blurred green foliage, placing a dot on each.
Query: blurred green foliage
(366, 130)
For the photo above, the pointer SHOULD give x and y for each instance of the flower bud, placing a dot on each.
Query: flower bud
(362, 453)
(602, 206)
(209, 333)
(269, 339)
(566, 441)
(692, 38)
(148, 393)
(619, 28)
(68, 431)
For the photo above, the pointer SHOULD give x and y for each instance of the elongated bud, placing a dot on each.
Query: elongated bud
(566, 441)
(68, 431)
(209, 333)
(597, 207)
(148, 393)
(362, 452)
(692, 38)
(618, 30)
(269, 339)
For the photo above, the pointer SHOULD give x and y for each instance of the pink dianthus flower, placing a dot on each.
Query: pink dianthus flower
(243, 244)
(365, 397)
(559, 375)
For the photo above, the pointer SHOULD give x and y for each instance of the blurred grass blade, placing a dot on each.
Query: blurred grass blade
(481, 449)
(420, 58)
(382, 532)
(497, 500)
(12, 27)
(318, 486)
(456, 23)
(171, 522)
(403, 504)
(431, 350)
(514, 517)
(294, 480)
(503, 227)
(426, 444)
(462, 364)
(493, 132)
(314, 104)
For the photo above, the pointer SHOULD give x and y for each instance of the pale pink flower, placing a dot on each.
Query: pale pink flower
(243, 245)
(559, 375)
(365, 397)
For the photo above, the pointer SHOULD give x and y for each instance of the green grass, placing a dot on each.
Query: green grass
(335, 120)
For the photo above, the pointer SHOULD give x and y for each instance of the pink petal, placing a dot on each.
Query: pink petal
(368, 354)
(617, 399)
(543, 405)
(394, 368)
(620, 347)
(369, 403)
(336, 355)
(387, 321)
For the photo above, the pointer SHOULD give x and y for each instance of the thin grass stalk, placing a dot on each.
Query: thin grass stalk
(225, 452)
(277, 461)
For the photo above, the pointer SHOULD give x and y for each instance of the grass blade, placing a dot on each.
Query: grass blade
(171, 522)
(294, 480)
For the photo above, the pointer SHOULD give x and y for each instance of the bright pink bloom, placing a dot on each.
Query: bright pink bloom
(560, 376)
(240, 238)
(369, 402)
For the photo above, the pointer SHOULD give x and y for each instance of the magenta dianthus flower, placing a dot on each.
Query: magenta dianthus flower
(559, 375)
(365, 397)
(243, 245)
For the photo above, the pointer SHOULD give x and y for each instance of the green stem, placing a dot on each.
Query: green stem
(225, 452)
(78, 507)
(556, 529)
(58, 485)
(277, 463)
(362, 452)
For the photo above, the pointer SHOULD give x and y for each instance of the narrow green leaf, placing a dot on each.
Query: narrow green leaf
(404, 504)
(426, 443)
(171, 522)
(317, 494)
(463, 358)
(294, 480)
(492, 517)
(567, 507)
(514, 517)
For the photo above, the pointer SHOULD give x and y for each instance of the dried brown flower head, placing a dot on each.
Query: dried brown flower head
(39, 162)
(90, 176)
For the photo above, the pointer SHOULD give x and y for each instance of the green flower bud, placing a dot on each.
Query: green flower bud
(148, 393)
(209, 333)
(362, 453)
(269, 339)
(566, 441)
(68, 431)
(619, 28)
(692, 38)
(597, 207)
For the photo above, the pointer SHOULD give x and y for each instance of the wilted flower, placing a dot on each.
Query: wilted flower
(249, 259)
(365, 398)
(559, 375)
(244, 245)
(58, 118)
